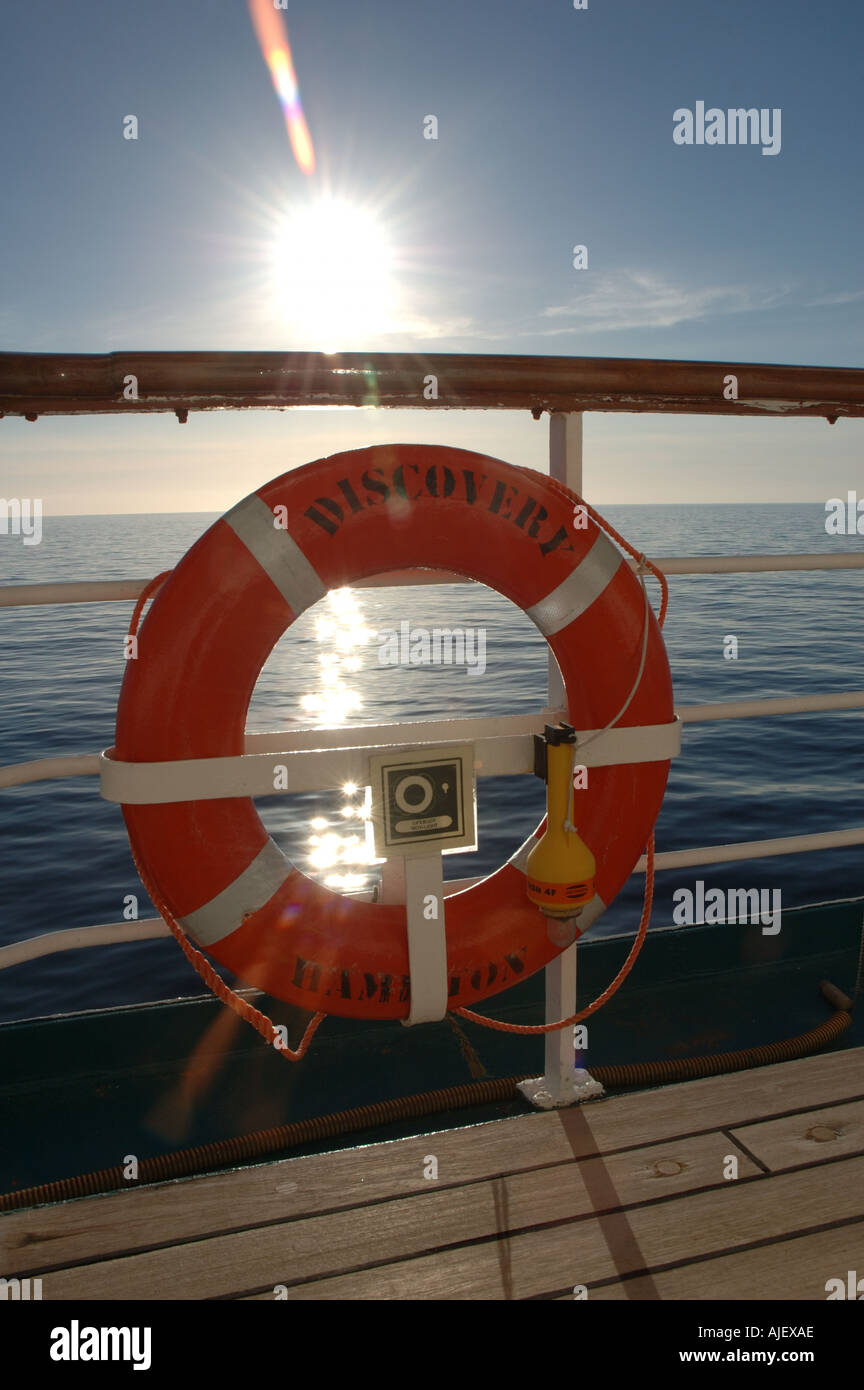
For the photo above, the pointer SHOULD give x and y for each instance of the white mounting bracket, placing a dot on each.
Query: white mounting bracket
(427, 938)
(310, 769)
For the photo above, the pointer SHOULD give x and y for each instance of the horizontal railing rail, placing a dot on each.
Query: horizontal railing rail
(503, 737)
(362, 738)
(120, 590)
(147, 928)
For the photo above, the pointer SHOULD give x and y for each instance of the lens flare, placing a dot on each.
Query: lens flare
(273, 39)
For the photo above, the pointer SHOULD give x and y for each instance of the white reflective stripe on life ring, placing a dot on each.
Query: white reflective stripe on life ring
(251, 890)
(582, 587)
(277, 553)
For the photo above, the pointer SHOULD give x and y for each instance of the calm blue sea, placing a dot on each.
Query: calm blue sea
(64, 857)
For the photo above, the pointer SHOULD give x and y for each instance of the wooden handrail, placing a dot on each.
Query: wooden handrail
(33, 384)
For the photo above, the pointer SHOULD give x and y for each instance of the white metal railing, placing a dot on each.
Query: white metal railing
(506, 736)
(105, 934)
(123, 590)
(324, 758)
(536, 384)
(77, 938)
(783, 704)
(755, 849)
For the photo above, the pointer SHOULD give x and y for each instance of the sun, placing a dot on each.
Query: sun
(333, 273)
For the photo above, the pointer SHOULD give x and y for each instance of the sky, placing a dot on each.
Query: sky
(555, 128)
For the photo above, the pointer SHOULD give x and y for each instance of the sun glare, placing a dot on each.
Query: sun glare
(333, 266)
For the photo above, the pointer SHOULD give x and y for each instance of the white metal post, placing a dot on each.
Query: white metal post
(565, 464)
(562, 1083)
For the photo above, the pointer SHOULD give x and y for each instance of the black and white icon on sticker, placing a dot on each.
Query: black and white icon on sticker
(423, 801)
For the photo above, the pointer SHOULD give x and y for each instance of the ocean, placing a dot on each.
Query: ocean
(64, 855)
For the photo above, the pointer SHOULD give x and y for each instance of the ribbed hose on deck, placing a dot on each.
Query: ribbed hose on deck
(690, 1068)
(266, 1142)
(263, 1142)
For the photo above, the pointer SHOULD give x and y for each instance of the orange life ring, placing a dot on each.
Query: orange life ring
(219, 614)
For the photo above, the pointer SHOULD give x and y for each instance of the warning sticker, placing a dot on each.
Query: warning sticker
(420, 801)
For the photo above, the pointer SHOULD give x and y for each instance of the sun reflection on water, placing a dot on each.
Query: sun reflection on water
(341, 632)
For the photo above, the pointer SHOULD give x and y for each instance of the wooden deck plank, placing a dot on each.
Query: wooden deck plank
(139, 1218)
(175, 1211)
(729, 1101)
(790, 1270)
(400, 1227)
(812, 1136)
(538, 1262)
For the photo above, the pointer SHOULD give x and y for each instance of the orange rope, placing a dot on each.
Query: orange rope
(149, 589)
(610, 989)
(260, 1022)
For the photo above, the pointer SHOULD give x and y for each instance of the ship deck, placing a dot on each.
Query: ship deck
(630, 1196)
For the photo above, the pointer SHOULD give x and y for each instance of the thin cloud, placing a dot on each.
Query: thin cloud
(627, 300)
(828, 300)
(638, 299)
